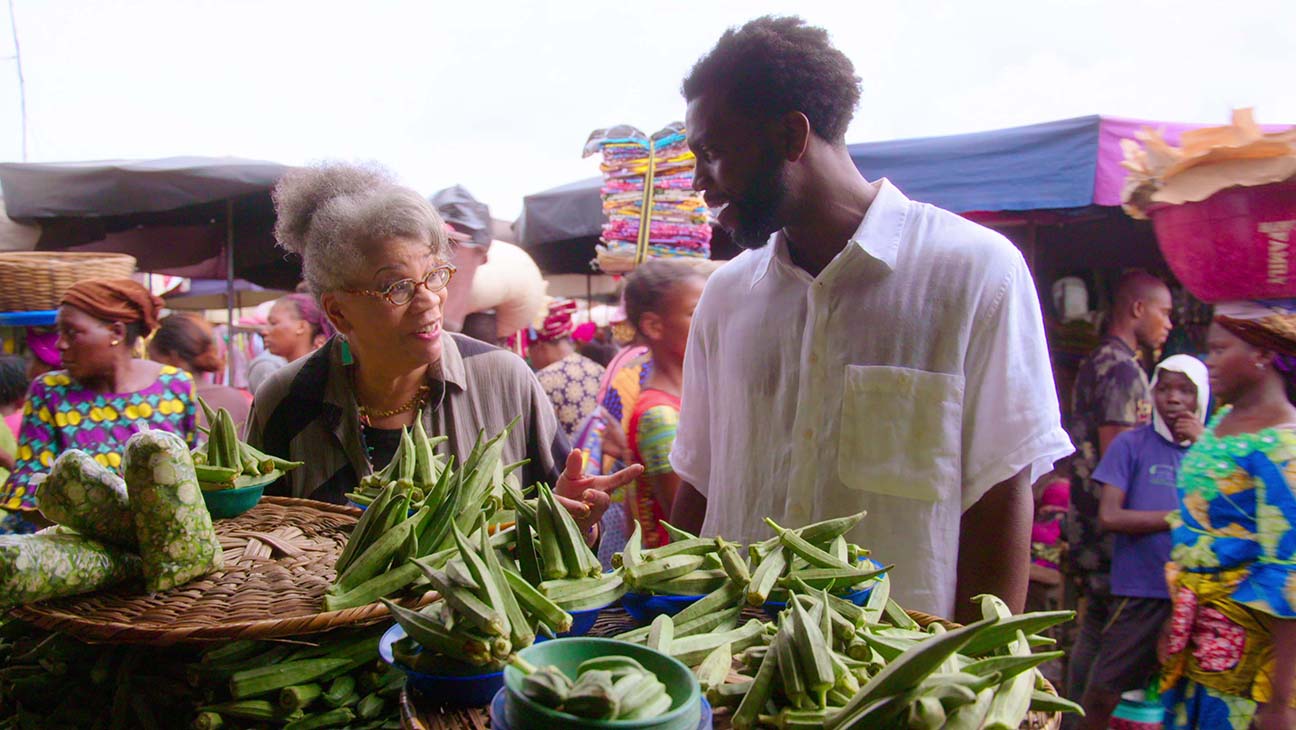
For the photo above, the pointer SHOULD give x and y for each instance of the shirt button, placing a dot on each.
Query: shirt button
(808, 434)
(814, 358)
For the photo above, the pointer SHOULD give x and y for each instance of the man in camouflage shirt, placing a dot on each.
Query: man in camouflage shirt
(1111, 396)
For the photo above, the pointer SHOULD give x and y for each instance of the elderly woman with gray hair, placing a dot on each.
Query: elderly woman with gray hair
(376, 254)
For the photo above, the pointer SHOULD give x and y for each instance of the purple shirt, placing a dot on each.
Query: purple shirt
(1146, 467)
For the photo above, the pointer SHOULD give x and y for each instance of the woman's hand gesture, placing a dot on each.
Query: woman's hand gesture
(587, 497)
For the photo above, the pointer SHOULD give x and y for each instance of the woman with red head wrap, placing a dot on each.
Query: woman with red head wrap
(103, 395)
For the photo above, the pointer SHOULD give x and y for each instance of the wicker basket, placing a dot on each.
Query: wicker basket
(36, 280)
(279, 560)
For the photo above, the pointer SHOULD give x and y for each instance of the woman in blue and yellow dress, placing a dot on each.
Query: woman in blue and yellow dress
(1229, 651)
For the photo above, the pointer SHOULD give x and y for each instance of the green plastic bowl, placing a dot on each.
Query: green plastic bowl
(224, 503)
(567, 655)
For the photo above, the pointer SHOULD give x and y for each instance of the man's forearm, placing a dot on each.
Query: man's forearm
(689, 510)
(994, 548)
(1133, 521)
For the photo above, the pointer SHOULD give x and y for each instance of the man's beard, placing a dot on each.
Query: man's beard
(757, 213)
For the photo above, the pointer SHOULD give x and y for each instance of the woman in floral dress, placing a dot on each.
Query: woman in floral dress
(1229, 651)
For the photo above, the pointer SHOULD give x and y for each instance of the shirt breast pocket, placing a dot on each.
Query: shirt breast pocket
(901, 432)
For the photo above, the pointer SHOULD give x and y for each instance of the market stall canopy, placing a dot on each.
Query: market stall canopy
(212, 294)
(170, 214)
(1062, 165)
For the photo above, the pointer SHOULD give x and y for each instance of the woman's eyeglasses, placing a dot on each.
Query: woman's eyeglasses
(402, 292)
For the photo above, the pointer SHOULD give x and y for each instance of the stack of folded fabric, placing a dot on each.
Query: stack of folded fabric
(652, 177)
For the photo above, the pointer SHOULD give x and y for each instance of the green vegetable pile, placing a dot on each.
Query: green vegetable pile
(53, 682)
(816, 556)
(486, 613)
(552, 554)
(606, 688)
(828, 663)
(225, 462)
(390, 548)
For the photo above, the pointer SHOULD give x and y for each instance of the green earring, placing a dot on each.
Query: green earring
(347, 357)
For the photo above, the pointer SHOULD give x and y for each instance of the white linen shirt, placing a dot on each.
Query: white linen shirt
(907, 379)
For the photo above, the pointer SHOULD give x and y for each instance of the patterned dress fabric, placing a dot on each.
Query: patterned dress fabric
(651, 435)
(1111, 389)
(572, 384)
(60, 414)
(1232, 571)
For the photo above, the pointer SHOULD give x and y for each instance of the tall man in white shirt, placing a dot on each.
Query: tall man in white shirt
(868, 353)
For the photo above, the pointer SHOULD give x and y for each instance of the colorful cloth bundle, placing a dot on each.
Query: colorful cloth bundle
(652, 210)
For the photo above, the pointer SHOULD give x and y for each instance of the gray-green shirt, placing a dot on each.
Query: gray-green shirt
(307, 412)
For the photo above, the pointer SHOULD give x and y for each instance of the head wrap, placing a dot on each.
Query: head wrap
(1196, 371)
(310, 312)
(115, 300)
(1268, 324)
(43, 343)
(558, 323)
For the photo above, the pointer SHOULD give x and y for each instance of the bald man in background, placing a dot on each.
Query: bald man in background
(1111, 396)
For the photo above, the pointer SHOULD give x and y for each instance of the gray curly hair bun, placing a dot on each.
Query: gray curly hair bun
(333, 213)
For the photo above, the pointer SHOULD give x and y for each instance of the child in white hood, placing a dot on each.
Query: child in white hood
(1139, 474)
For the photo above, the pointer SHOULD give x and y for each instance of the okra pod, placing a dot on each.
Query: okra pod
(803, 549)
(644, 575)
(332, 718)
(383, 584)
(661, 633)
(766, 576)
(376, 557)
(727, 595)
(263, 680)
(905, 672)
(714, 669)
(695, 546)
(675, 533)
(757, 694)
(537, 604)
(299, 696)
(696, 583)
(520, 631)
(467, 605)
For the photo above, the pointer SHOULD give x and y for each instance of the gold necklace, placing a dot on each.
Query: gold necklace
(414, 403)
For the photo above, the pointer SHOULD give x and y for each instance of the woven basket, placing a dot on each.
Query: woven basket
(37, 280)
(279, 560)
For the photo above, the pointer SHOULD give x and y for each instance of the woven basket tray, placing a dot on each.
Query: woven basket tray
(278, 563)
(37, 280)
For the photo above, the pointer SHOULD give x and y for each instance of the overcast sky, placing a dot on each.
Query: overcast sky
(500, 96)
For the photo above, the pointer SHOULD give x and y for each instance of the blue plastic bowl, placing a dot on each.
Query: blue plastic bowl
(772, 608)
(644, 607)
(472, 690)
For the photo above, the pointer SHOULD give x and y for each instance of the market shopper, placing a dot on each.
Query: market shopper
(104, 394)
(187, 341)
(1229, 653)
(660, 297)
(1111, 395)
(296, 327)
(570, 379)
(1138, 473)
(878, 354)
(375, 253)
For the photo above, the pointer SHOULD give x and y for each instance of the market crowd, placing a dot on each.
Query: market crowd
(866, 352)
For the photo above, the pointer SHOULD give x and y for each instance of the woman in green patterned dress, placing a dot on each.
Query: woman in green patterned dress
(1229, 651)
